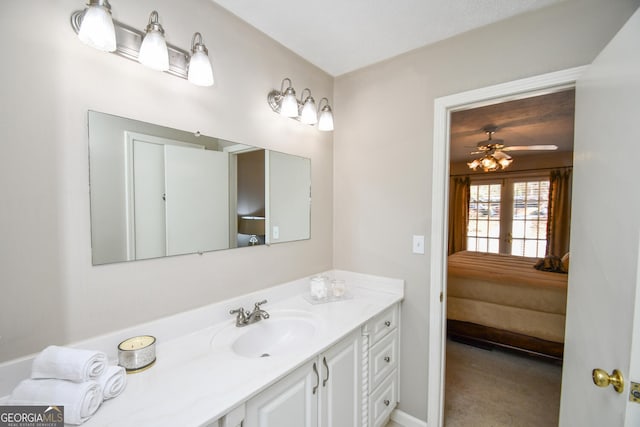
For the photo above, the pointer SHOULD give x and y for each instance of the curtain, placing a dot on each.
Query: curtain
(459, 192)
(559, 212)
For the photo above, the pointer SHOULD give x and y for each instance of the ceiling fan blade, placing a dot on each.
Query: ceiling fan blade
(530, 148)
(490, 141)
(500, 155)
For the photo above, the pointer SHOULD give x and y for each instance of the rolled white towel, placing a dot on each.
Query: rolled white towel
(113, 381)
(80, 400)
(69, 364)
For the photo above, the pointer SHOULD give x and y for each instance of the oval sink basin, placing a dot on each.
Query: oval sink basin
(282, 333)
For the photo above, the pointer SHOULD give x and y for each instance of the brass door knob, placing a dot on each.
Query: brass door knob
(602, 379)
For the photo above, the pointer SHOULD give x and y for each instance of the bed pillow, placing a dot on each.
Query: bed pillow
(550, 263)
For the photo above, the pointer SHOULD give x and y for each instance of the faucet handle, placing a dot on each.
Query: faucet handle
(241, 318)
(258, 304)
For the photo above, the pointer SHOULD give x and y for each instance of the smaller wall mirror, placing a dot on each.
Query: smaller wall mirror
(158, 191)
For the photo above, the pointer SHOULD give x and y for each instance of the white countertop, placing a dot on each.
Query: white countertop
(198, 378)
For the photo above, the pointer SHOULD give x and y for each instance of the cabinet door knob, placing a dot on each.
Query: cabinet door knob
(386, 402)
(387, 323)
(387, 359)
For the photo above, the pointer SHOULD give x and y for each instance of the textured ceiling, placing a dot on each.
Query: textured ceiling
(539, 120)
(340, 36)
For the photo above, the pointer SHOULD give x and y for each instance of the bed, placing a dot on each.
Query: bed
(502, 300)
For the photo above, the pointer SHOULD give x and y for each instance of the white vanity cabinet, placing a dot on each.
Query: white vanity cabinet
(324, 392)
(291, 402)
(380, 363)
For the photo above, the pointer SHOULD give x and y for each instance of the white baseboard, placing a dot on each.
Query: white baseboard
(406, 420)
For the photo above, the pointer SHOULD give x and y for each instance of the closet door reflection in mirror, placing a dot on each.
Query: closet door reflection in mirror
(157, 191)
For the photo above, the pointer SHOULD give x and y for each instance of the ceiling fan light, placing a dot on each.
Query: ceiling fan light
(488, 162)
(505, 162)
(474, 164)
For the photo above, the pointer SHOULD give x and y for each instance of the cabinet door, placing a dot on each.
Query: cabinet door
(291, 402)
(341, 385)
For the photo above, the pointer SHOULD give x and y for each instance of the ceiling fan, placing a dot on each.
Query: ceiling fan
(494, 152)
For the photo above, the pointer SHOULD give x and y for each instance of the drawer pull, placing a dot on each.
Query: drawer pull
(387, 359)
(387, 323)
(386, 402)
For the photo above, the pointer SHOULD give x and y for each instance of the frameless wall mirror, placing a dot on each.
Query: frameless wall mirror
(158, 191)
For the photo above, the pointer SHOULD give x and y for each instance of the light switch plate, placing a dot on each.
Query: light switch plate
(418, 244)
(276, 232)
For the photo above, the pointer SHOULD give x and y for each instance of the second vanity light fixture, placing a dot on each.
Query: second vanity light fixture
(284, 102)
(96, 28)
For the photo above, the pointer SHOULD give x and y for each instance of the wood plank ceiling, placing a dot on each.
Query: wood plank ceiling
(543, 119)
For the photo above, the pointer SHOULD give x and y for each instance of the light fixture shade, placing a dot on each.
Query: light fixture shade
(474, 164)
(325, 121)
(200, 71)
(153, 51)
(309, 115)
(96, 29)
(289, 103)
(251, 225)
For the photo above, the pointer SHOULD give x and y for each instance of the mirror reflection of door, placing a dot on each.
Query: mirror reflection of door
(250, 209)
(175, 192)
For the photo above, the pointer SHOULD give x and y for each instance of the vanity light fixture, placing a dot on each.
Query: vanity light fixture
(96, 29)
(200, 71)
(288, 101)
(325, 121)
(153, 50)
(308, 112)
(94, 26)
(284, 102)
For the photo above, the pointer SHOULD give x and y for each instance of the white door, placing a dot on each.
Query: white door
(291, 402)
(197, 199)
(605, 235)
(341, 388)
(148, 200)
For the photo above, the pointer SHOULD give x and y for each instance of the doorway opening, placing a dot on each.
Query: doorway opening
(509, 221)
(443, 108)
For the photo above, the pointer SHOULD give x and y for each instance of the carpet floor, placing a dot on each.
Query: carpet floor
(494, 388)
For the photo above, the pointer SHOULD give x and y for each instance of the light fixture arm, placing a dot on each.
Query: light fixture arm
(154, 25)
(197, 45)
(320, 107)
(282, 88)
(302, 98)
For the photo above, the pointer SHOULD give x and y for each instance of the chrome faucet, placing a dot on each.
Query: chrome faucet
(244, 317)
(241, 317)
(257, 314)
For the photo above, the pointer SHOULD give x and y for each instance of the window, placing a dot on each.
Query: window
(483, 231)
(509, 216)
(529, 219)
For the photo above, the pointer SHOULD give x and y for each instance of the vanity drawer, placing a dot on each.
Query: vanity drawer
(382, 324)
(383, 401)
(383, 359)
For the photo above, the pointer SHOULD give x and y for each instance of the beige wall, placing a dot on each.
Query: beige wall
(50, 293)
(383, 144)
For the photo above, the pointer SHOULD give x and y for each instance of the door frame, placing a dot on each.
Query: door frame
(443, 107)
